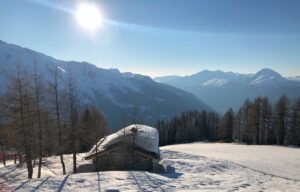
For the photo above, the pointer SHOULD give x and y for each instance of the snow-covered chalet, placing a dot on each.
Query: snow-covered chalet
(135, 147)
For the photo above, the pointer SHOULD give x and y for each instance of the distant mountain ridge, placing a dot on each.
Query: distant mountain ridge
(116, 94)
(222, 90)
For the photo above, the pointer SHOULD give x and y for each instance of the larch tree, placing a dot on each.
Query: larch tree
(37, 91)
(3, 138)
(212, 124)
(237, 134)
(294, 125)
(265, 133)
(225, 130)
(248, 131)
(281, 119)
(57, 100)
(20, 114)
(73, 110)
(98, 125)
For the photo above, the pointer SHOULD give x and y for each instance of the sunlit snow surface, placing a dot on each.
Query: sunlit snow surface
(187, 171)
(276, 160)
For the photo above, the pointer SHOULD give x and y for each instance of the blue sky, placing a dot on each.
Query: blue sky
(163, 37)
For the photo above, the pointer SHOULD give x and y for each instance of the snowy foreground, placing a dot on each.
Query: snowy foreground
(193, 167)
(275, 160)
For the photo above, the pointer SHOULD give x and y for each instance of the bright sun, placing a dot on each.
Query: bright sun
(89, 16)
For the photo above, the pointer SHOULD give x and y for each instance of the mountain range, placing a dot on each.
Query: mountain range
(222, 90)
(118, 95)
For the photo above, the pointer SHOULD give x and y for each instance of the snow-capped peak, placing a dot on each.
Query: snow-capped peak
(266, 76)
(267, 72)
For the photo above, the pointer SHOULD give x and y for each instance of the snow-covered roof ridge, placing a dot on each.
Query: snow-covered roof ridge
(145, 137)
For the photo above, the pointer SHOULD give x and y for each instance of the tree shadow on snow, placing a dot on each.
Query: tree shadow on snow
(10, 169)
(63, 183)
(39, 185)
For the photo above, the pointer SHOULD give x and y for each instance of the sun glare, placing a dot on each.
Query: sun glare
(89, 16)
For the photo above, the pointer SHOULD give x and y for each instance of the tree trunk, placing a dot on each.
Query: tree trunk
(20, 158)
(74, 163)
(73, 118)
(62, 164)
(22, 118)
(96, 143)
(40, 166)
(29, 166)
(58, 122)
(15, 158)
(4, 156)
(37, 95)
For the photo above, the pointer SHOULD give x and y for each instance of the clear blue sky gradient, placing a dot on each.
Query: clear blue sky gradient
(163, 37)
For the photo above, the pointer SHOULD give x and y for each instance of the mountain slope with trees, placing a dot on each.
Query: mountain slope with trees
(119, 96)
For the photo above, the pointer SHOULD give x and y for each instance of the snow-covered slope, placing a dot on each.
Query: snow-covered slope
(269, 78)
(274, 160)
(116, 94)
(187, 171)
(234, 88)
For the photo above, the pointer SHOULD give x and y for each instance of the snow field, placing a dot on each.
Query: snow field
(185, 172)
(274, 160)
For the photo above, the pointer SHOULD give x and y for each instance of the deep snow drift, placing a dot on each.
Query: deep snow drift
(186, 172)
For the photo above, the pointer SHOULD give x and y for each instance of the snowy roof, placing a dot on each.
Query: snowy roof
(145, 137)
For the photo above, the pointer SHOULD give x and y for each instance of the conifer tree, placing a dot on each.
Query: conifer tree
(281, 120)
(225, 130)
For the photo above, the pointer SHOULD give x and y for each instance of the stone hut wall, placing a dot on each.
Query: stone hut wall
(123, 158)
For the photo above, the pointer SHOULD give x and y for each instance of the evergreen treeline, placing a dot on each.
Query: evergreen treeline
(189, 127)
(39, 118)
(256, 122)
